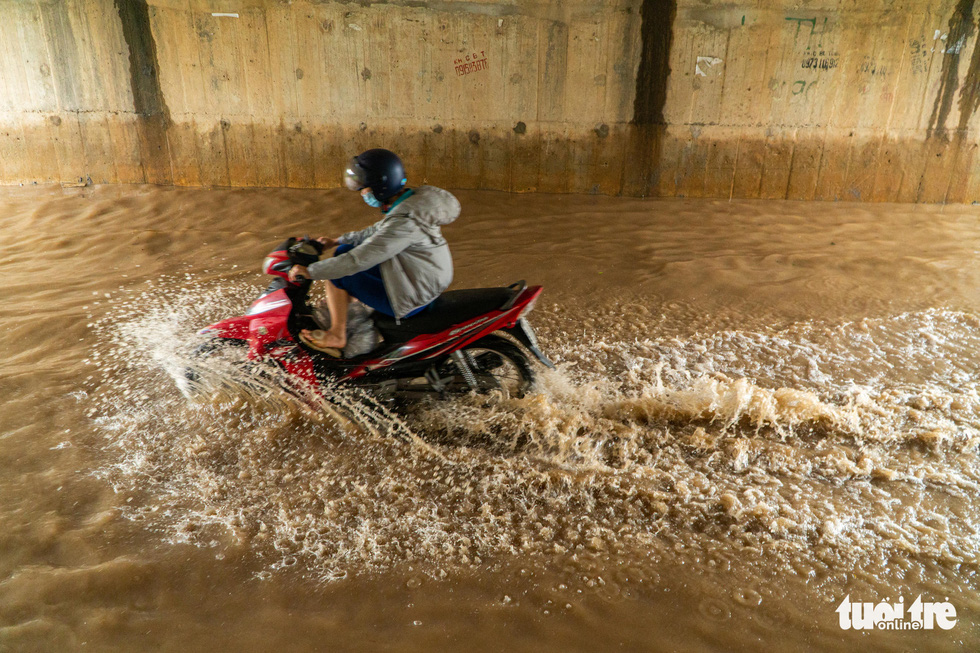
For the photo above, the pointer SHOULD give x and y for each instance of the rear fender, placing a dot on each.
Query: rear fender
(524, 334)
(508, 318)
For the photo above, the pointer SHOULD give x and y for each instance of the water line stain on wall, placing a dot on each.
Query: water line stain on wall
(656, 33)
(657, 20)
(148, 99)
(961, 27)
(609, 95)
(144, 75)
(970, 92)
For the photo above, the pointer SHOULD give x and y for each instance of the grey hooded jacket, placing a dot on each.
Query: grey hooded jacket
(416, 265)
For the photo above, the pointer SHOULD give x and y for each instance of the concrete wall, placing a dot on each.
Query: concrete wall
(852, 100)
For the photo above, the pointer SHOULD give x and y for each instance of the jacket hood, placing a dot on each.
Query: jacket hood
(429, 206)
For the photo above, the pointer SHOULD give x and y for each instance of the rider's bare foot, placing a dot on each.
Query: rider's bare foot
(325, 339)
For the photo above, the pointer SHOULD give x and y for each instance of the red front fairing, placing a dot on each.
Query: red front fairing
(269, 319)
(265, 322)
(265, 327)
(270, 311)
(234, 328)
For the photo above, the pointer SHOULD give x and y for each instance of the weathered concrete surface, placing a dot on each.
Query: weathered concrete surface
(874, 100)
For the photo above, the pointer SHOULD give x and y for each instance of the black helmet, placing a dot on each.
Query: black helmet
(378, 169)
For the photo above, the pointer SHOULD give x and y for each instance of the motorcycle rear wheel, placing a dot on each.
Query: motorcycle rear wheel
(498, 365)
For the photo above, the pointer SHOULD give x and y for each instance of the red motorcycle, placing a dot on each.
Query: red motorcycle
(455, 346)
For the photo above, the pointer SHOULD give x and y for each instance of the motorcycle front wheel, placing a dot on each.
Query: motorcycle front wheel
(214, 363)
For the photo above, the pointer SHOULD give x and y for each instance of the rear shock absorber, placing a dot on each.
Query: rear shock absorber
(464, 367)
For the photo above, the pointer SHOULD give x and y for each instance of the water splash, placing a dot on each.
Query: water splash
(814, 438)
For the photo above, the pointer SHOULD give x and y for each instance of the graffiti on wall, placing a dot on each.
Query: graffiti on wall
(815, 56)
(922, 49)
(802, 87)
(803, 23)
(919, 57)
(871, 66)
(471, 63)
(820, 60)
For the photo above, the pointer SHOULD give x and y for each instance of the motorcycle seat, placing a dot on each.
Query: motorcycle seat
(449, 309)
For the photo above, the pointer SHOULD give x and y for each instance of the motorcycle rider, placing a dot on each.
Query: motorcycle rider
(398, 265)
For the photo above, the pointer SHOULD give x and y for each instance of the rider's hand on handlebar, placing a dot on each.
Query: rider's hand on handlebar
(327, 241)
(298, 272)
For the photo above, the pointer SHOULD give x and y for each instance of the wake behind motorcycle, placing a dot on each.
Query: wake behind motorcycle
(457, 345)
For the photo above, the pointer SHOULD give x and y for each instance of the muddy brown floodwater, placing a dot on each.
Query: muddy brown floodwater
(760, 409)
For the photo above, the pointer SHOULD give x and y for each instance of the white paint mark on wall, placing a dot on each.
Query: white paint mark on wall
(220, 15)
(957, 47)
(704, 64)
